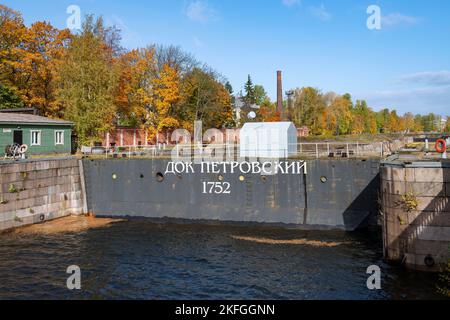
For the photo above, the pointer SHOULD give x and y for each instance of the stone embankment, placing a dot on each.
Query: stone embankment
(416, 209)
(34, 191)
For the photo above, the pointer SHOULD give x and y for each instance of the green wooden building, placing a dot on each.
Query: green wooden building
(41, 135)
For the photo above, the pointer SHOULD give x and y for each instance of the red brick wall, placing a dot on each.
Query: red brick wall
(131, 137)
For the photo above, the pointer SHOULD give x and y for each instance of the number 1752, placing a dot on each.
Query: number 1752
(216, 188)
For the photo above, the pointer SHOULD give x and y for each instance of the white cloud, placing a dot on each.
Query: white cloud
(291, 3)
(201, 11)
(417, 100)
(395, 19)
(320, 12)
(421, 92)
(431, 78)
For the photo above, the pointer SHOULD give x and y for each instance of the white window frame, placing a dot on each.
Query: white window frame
(39, 137)
(56, 138)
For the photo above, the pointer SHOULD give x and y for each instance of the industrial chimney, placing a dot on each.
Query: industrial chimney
(280, 95)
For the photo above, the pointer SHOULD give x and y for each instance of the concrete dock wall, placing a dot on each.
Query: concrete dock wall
(38, 190)
(416, 208)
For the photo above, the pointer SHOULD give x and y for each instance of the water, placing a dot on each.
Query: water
(143, 260)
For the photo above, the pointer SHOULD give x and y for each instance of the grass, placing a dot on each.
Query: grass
(444, 282)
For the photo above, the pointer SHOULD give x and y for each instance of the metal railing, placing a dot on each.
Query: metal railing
(304, 150)
(341, 149)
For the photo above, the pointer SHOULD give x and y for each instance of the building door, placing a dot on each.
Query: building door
(18, 137)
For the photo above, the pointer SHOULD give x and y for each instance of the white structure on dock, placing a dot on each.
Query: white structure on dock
(268, 140)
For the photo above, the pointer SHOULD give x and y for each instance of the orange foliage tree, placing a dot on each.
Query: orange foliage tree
(134, 91)
(29, 57)
(166, 93)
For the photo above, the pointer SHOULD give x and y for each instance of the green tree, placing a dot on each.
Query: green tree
(87, 80)
(203, 98)
(383, 120)
(418, 123)
(364, 119)
(9, 99)
(309, 105)
(342, 109)
(249, 92)
(229, 87)
(260, 94)
(428, 122)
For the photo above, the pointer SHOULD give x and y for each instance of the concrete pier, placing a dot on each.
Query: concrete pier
(416, 211)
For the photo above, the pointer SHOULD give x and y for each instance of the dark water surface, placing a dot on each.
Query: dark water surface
(143, 260)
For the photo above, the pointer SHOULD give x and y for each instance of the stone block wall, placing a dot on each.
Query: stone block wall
(34, 191)
(418, 235)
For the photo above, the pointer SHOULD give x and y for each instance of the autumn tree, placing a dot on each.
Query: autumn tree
(268, 112)
(91, 79)
(45, 48)
(327, 122)
(394, 122)
(166, 93)
(134, 95)
(308, 106)
(341, 109)
(13, 37)
(204, 98)
(29, 57)
(364, 120)
(87, 82)
(9, 99)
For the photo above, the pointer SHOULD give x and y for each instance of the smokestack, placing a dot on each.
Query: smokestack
(280, 95)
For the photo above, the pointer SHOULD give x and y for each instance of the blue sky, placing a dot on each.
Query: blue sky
(324, 44)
